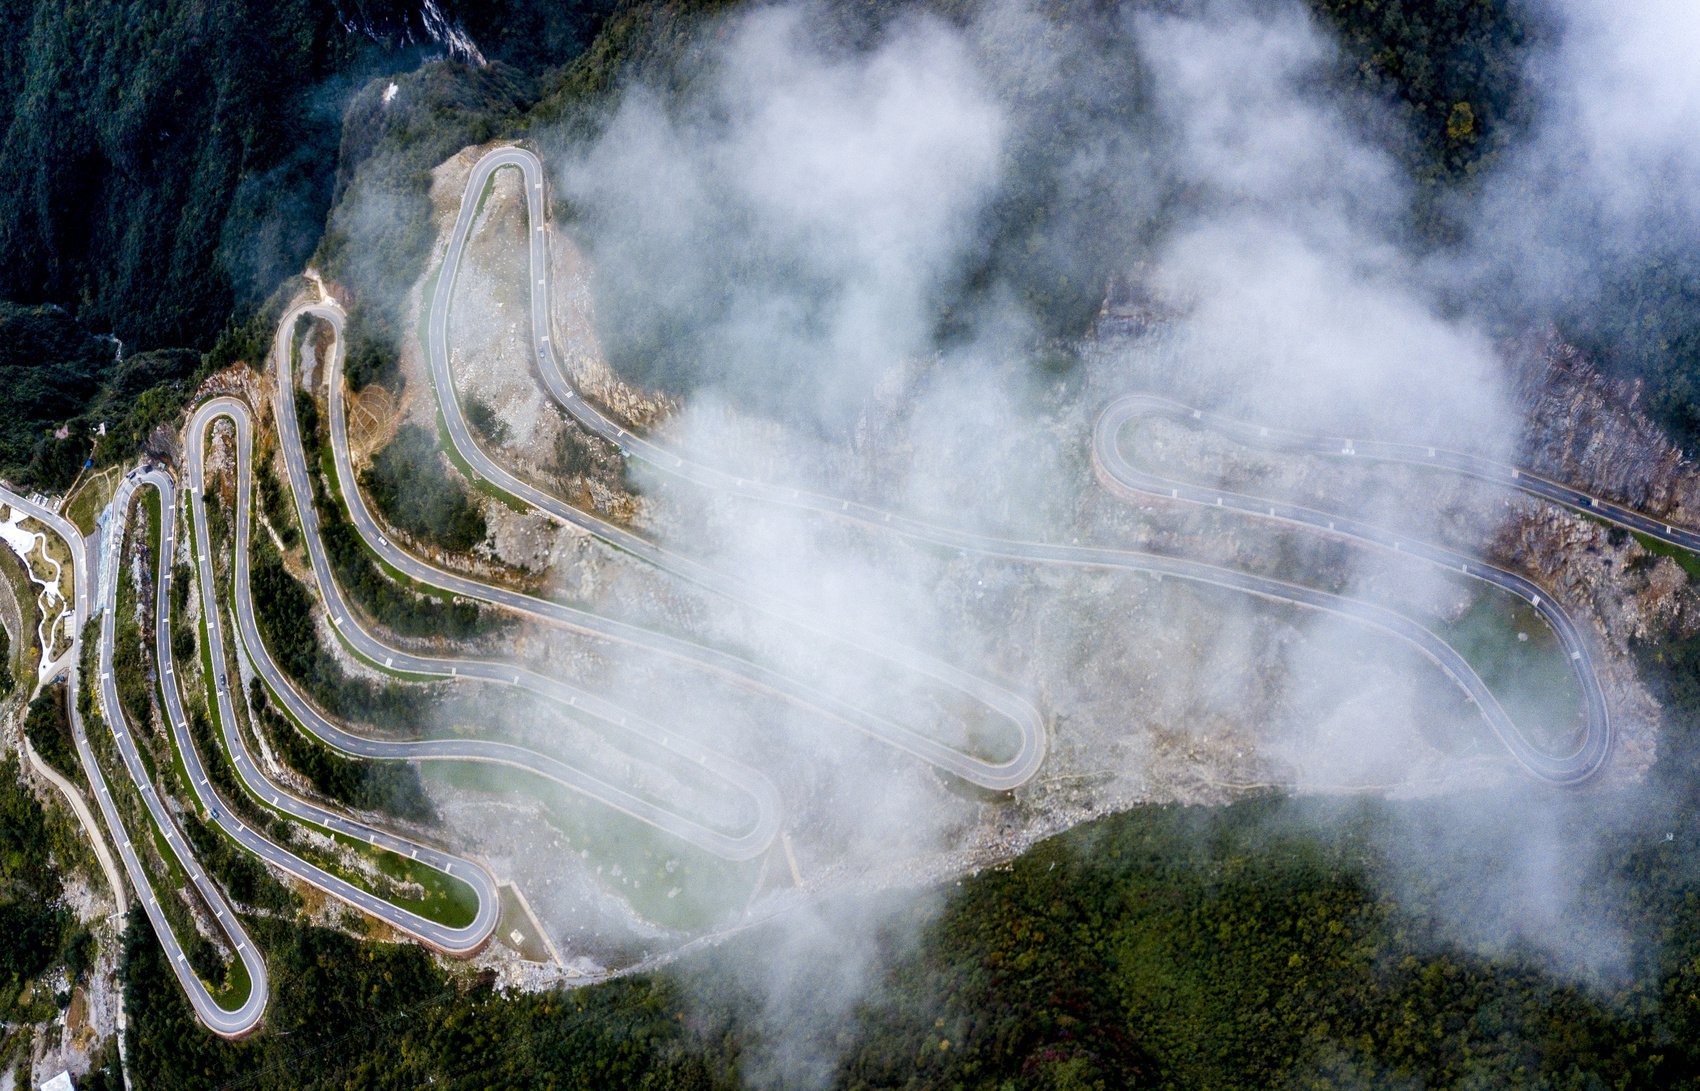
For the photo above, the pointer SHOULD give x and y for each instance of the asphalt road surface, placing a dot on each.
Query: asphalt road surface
(81, 602)
(1114, 470)
(761, 797)
(460, 941)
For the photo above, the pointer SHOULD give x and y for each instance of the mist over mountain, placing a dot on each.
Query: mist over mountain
(890, 259)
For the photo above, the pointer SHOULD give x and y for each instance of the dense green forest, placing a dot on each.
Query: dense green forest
(1232, 947)
(170, 164)
(48, 726)
(169, 167)
(164, 181)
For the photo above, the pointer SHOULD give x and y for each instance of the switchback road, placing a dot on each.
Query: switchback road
(1592, 750)
(227, 1022)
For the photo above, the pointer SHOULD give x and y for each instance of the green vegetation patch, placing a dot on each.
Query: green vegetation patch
(1249, 946)
(410, 485)
(50, 368)
(1516, 653)
(48, 726)
(27, 655)
(666, 880)
(41, 931)
(390, 787)
(283, 611)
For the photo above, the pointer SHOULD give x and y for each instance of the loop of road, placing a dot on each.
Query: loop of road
(761, 794)
(227, 1022)
(463, 940)
(1121, 475)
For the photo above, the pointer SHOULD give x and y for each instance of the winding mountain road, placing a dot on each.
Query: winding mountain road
(1593, 748)
(1025, 723)
(458, 941)
(761, 795)
(1118, 473)
(82, 598)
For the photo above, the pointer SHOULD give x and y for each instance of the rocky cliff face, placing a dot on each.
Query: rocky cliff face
(1587, 429)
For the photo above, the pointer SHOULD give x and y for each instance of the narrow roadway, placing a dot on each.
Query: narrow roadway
(347, 742)
(761, 797)
(1114, 470)
(81, 597)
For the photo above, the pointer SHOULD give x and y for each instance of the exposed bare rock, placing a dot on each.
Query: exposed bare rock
(1587, 430)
